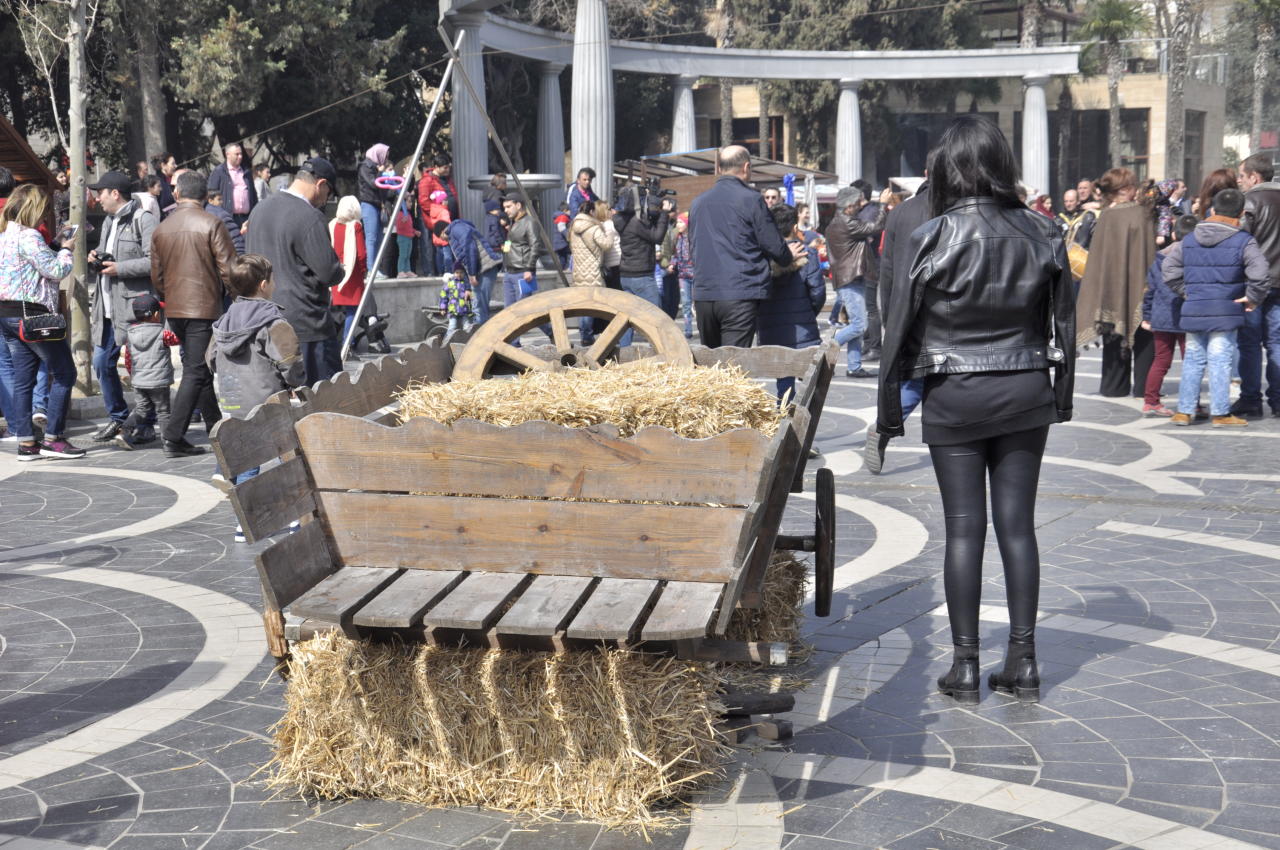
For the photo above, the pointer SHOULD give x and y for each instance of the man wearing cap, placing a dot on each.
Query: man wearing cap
(290, 231)
(191, 256)
(124, 244)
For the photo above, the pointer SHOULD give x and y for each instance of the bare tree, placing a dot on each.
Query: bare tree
(50, 28)
(720, 27)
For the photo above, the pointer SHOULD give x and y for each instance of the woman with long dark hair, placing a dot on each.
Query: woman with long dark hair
(987, 315)
(1110, 304)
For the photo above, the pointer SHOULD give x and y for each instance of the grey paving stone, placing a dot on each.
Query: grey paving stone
(570, 836)
(446, 826)
(934, 838)
(1047, 836)
(871, 828)
(982, 822)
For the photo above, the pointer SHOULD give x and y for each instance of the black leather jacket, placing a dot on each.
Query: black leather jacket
(990, 287)
(1262, 219)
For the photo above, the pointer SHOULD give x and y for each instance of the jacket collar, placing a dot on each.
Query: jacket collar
(973, 201)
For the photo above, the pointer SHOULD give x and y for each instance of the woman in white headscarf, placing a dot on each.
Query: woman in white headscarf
(372, 198)
(348, 238)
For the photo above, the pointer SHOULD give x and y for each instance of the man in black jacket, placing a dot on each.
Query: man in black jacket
(290, 231)
(895, 276)
(1261, 327)
(733, 238)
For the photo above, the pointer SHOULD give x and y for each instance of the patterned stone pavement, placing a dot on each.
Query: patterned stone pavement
(136, 703)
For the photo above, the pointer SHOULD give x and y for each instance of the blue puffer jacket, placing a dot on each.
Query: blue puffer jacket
(1160, 305)
(1211, 268)
(789, 316)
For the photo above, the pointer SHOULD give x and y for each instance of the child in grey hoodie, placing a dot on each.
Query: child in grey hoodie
(152, 371)
(255, 352)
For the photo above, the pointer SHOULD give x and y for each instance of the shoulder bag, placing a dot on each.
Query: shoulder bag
(43, 327)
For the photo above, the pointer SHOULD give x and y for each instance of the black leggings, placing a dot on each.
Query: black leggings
(1013, 461)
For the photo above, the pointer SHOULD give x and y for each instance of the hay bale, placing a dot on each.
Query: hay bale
(607, 734)
(781, 605)
(692, 401)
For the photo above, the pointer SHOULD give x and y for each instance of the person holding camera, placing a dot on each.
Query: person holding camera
(29, 296)
(122, 262)
(640, 230)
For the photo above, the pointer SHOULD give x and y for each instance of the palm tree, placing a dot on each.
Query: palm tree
(1108, 23)
(1180, 36)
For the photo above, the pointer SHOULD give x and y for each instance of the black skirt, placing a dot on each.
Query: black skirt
(967, 406)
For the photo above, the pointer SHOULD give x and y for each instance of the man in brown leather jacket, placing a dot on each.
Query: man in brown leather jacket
(850, 246)
(191, 255)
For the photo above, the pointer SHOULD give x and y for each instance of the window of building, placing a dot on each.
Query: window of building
(746, 132)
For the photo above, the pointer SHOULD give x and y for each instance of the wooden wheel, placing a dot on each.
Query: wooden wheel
(492, 343)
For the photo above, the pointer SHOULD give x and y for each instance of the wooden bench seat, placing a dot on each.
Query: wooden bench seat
(364, 600)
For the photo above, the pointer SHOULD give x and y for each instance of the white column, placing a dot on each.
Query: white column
(592, 122)
(684, 128)
(1035, 134)
(848, 133)
(550, 137)
(470, 138)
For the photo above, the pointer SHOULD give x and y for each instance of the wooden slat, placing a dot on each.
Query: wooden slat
(816, 384)
(242, 444)
(337, 597)
(293, 565)
(531, 460)
(374, 384)
(475, 603)
(683, 611)
(545, 607)
(402, 603)
(613, 610)
(268, 502)
(764, 361)
(514, 535)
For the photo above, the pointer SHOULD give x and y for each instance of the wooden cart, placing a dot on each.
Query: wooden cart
(563, 538)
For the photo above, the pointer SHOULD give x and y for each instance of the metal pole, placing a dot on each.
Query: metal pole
(502, 149)
(408, 172)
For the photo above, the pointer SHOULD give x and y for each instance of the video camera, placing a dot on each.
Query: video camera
(644, 198)
(96, 263)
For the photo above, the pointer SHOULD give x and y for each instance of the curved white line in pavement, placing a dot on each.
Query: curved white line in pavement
(1248, 547)
(195, 499)
(749, 815)
(233, 645)
(1112, 822)
(1233, 654)
(900, 537)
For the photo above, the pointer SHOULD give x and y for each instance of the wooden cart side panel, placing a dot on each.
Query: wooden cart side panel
(531, 460)
(766, 516)
(764, 361)
(812, 397)
(373, 386)
(266, 434)
(294, 564)
(268, 502)
(530, 536)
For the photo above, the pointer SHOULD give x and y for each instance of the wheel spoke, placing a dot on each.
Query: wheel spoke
(608, 338)
(520, 357)
(559, 331)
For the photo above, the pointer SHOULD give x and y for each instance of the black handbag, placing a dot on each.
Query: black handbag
(44, 327)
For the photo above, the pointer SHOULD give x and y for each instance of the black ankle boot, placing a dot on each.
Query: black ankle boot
(961, 682)
(1020, 677)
